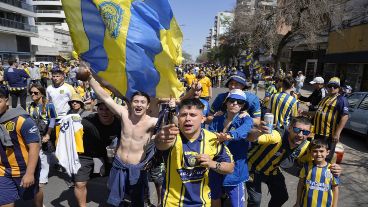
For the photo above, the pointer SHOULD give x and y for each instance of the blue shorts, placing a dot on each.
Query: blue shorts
(236, 193)
(11, 191)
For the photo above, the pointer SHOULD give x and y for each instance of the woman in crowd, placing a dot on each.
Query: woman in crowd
(77, 106)
(232, 130)
(44, 114)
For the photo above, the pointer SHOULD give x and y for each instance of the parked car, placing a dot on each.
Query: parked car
(358, 108)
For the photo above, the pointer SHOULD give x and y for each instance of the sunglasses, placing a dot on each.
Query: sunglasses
(233, 100)
(298, 130)
(34, 92)
(332, 86)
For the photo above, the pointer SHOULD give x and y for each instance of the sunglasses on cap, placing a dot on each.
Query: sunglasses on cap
(332, 86)
(233, 100)
(298, 130)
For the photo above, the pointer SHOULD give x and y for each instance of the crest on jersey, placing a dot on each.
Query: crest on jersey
(112, 16)
(10, 126)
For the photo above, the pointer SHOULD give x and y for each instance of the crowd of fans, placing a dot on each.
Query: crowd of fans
(196, 153)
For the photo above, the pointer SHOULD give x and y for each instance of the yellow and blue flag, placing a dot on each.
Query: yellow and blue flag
(132, 44)
(249, 57)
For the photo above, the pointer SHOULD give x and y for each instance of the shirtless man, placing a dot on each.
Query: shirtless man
(133, 152)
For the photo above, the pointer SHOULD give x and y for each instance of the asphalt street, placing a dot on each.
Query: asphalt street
(353, 188)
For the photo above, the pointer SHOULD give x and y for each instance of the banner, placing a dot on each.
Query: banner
(133, 45)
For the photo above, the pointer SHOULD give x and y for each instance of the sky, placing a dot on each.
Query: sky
(195, 18)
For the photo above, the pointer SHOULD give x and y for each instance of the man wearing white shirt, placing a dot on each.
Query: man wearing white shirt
(59, 93)
(34, 73)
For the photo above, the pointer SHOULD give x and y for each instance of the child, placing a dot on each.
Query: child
(317, 186)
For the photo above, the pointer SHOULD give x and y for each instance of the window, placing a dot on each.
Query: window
(364, 104)
(354, 99)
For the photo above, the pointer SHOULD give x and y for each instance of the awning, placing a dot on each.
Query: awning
(353, 57)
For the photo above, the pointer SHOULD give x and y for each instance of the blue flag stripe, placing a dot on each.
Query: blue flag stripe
(95, 31)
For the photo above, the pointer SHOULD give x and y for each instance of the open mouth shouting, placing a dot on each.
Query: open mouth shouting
(188, 127)
(138, 110)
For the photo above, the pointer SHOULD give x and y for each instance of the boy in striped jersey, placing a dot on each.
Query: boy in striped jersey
(317, 185)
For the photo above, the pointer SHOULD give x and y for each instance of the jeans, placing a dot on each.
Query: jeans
(276, 185)
(45, 158)
(22, 94)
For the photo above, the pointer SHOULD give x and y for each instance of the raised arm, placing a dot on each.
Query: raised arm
(84, 74)
(106, 98)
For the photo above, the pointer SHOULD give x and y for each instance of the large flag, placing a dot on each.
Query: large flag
(132, 44)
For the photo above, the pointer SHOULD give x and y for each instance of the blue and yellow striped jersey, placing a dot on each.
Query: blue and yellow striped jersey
(270, 90)
(266, 155)
(37, 110)
(283, 106)
(13, 160)
(186, 183)
(328, 114)
(318, 185)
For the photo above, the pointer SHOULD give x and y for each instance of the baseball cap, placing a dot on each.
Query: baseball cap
(334, 81)
(237, 94)
(238, 77)
(318, 80)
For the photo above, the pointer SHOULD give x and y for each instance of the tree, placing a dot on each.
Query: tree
(187, 58)
(202, 58)
(302, 21)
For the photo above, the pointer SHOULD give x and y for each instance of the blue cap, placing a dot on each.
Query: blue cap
(237, 94)
(238, 77)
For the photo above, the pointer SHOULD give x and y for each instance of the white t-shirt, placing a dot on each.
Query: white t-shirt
(60, 97)
(34, 73)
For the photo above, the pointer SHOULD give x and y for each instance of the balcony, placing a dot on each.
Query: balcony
(50, 13)
(18, 4)
(17, 25)
(46, 2)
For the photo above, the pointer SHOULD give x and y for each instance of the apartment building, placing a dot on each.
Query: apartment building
(53, 41)
(17, 27)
